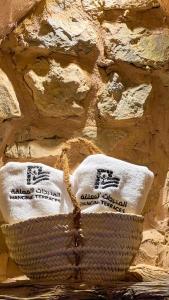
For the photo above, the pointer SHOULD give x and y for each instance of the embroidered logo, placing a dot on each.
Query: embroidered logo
(35, 174)
(105, 179)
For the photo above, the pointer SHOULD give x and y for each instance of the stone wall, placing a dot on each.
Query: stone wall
(97, 69)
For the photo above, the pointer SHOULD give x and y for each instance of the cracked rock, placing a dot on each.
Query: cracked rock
(58, 91)
(139, 46)
(66, 32)
(119, 103)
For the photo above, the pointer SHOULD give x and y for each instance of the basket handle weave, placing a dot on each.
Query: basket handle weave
(78, 236)
(93, 149)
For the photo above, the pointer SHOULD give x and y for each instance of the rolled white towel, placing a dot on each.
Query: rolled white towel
(102, 183)
(30, 190)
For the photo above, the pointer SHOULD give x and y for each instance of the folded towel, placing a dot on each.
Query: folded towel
(102, 183)
(30, 190)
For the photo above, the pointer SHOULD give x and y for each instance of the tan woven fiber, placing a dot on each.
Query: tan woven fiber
(65, 166)
(78, 238)
(92, 248)
(44, 247)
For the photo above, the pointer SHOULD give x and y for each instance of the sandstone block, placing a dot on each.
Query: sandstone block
(33, 149)
(97, 7)
(139, 45)
(130, 4)
(58, 91)
(66, 32)
(9, 106)
(119, 103)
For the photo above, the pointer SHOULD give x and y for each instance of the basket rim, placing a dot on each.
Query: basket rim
(118, 215)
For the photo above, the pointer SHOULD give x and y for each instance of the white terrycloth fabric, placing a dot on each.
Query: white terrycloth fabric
(102, 183)
(30, 190)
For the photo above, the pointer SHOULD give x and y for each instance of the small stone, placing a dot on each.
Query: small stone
(119, 103)
(58, 91)
(132, 102)
(110, 94)
(9, 106)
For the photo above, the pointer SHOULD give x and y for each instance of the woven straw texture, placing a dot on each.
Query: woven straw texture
(91, 248)
(44, 247)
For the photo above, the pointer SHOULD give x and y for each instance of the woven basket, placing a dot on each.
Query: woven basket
(91, 248)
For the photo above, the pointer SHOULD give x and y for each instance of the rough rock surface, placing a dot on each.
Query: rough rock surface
(138, 45)
(58, 91)
(68, 33)
(165, 5)
(97, 69)
(11, 12)
(36, 149)
(122, 103)
(130, 4)
(93, 6)
(97, 7)
(9, 106)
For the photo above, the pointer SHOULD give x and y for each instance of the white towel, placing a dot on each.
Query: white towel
(102, 183)
(30, 190)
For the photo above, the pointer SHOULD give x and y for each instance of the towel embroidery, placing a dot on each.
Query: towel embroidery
(34, 193)
(104, 199)
(35, 174)
(105, 179)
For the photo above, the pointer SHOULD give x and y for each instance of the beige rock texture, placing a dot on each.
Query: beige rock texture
(58, 91)
(139, 46)
(9, 105)
(51, 30)
(130, 4)
(96, 7)
(95, 69)
(118, 102)
(11, 11)
(36, 149)
(165, 5)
